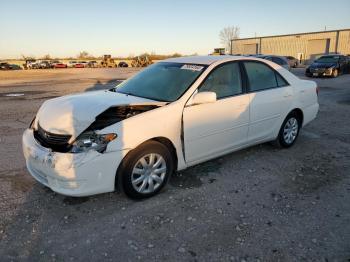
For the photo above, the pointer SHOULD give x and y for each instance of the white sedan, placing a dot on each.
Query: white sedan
(172, 115)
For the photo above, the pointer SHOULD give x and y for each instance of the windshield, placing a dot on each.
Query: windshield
(164, 81)
(328, 59)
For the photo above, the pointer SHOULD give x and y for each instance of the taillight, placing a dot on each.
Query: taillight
(317, 90)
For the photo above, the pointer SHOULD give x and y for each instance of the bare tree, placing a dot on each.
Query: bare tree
(46, 57)
(24, 57)
(83, 55)
(227, 34)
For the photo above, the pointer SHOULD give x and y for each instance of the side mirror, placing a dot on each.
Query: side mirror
(203, 98)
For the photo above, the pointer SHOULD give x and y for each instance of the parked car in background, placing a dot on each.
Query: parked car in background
(32, 64)
(28, 63)
(44, 64)
(280, 60)
(348, 63)
(123, 64)
(5, 66)
(80, 64)
(15, 67)
(89, 143)
(92, 64)
(58, 64)
(292, 61)
(85, 63)
(71, 64)
(328, 65)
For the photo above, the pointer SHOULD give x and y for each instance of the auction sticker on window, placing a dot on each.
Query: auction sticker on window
(192, 67)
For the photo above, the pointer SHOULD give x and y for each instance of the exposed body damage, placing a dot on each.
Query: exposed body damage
(116, 114)
(53, 165)
(71, 115)
(114, 125)
(71, 174)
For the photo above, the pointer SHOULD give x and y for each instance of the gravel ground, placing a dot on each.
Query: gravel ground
(258, 204)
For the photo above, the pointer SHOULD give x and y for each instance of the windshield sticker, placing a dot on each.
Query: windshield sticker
(192, 67)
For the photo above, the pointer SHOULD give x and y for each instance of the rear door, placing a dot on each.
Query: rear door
(342, 63)
(270, 98)
(215, 128)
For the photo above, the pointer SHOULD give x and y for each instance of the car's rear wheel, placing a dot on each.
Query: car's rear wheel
(289, 131)
(146, 170)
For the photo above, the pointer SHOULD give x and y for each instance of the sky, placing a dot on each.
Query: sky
(64, 28)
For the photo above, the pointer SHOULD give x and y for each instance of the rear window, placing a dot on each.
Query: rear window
(279, 61)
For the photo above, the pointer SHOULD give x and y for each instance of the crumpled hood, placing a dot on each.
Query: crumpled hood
(72, 114)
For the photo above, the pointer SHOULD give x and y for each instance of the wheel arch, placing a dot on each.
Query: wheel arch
(299, 112)
(167, 142)
(162, 140)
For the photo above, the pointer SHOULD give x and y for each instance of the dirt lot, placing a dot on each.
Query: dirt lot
(259, 204)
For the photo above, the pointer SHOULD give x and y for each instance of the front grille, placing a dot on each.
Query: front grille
(317, 70)
(56, 142)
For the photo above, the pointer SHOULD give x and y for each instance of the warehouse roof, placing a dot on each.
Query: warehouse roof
(202, 60)
(306, 33)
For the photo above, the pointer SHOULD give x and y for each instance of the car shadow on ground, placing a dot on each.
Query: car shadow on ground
(99, 85)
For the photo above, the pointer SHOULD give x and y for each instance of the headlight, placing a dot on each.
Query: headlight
(92, 141)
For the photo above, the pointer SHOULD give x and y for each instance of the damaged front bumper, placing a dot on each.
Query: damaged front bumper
(71, 174)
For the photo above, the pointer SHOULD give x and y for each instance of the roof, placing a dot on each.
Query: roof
(297, 34)
(201, 60)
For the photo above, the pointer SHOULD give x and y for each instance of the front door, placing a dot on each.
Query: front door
(215, 128)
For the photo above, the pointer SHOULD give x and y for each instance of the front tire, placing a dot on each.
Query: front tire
(146, 170)
(289, 131)
(335, 73)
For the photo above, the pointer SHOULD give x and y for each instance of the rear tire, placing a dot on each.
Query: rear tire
(289, 131)
(146, 170)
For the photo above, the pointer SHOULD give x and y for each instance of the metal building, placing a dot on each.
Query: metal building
(304, 46)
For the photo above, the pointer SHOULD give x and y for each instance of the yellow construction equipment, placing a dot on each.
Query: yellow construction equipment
(218, 51)
(141, 61)
(108, 61)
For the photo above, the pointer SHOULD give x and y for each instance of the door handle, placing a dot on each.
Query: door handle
(287, 95)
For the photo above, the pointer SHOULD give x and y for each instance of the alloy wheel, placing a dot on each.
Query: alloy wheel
(290, 130)
(148, 173)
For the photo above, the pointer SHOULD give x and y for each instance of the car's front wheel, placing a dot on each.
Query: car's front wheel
(289, 130)
(335, 73)
(146, 170)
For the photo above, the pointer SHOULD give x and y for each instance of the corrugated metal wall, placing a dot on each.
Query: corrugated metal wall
(306, 44)
(344, 42)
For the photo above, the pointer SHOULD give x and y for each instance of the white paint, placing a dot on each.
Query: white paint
(210, 129)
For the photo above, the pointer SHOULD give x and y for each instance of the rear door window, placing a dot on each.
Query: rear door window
(261, 77)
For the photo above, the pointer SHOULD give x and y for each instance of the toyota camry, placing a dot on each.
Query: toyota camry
(172, 115)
